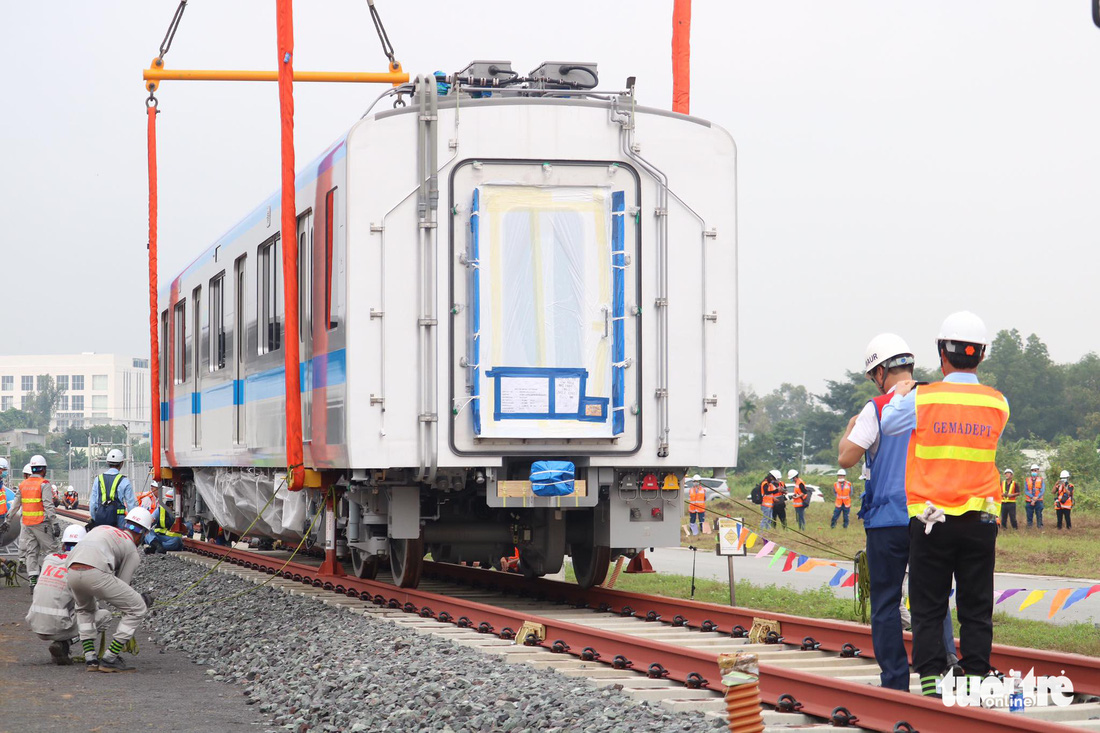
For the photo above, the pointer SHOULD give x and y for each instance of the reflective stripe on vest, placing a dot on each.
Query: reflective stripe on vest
(1065, 496)
(953, 450)
(843, 491)
(3, 501)
(767, 498)
(799, 494)
(162, 523)
(697, 498)
(1010, 492)
(103, 497)
(1033, 486)
(30, 494)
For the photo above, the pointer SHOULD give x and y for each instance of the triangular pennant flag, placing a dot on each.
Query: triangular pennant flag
(768, 547)
(802, 560)
(1060, 597)
(837, 578)
(743, 536)
(778, 554)
(1078, 595)
(1005, 595)
(1092, 590)
(790, 561)
(851, 581)
(1032, 598)
(810, 564)
(753, 537)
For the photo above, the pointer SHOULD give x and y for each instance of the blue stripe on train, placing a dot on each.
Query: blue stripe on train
(325, 370)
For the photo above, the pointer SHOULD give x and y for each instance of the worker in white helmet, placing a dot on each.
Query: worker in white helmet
(697, 504)
(800, 498)
(41, 529)
(953, 493)
(1010, 494)
(1034, 491)
(1063, 499)
(52, 615)
(842, 489)
(100, 570)
(112, 494)
(769, 488)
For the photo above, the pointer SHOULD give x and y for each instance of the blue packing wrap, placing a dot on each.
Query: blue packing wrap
(552, 478)
(475, 311)
(618, 313)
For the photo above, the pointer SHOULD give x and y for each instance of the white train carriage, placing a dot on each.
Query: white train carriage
(490, 279)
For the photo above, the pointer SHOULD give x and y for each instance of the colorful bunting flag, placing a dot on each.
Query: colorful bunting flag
(768, 547)
(1092, 590)
(790, 561)
(1005, 595)
(1032, 598)
(743, 535)
(778, 554)
(1059, 599)
(851, 581)
(837, 578)
(753, 537)
(1078, 595)
(810, 564)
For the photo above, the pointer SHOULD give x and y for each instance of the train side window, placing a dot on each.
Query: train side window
(217, 322)
(330, 215)
(270, 296)
(194, 347)
(305, 270)
(180, 346)
(165, 345)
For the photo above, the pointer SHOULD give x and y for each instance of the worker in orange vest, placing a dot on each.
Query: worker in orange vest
(1034, 490)
(1009, 494)
(843, 490)
(953, 494)
(697, 505)
(1063, 501)
(768, 490)
(40, 526)
(800, 498)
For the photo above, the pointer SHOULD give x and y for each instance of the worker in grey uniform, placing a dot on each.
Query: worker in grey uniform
(41, 529)
(52, 615)
(100, 570)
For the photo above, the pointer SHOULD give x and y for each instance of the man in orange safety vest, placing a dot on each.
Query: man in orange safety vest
(843, 490)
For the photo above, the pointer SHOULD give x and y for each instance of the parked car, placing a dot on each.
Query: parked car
(816, 494)
(716, 487)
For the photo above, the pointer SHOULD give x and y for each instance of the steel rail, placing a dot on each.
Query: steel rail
(875, 708)
(830, 634)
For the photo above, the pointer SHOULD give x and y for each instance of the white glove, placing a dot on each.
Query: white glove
(930, 516)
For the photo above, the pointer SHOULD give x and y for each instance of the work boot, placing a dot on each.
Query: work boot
(115, 664)
(91, 664)
(34, 580)
(59, 650)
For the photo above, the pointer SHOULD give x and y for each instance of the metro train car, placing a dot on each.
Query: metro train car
(518, 310)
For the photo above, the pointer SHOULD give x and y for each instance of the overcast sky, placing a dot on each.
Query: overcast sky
(897, 160)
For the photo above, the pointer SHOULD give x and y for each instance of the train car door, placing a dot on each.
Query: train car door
(305, 321)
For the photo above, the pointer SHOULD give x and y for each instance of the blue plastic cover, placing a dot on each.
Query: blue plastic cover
(618, 313)
(552, 478)
(475, 337)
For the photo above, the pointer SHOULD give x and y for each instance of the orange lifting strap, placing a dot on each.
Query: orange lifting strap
(285, 46)
(681, 56)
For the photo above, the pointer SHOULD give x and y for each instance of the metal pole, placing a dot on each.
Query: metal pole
(365, 77)
(733, 591)
(694, 550)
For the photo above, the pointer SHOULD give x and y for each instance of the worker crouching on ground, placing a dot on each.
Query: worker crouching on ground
(953, 494)
(697, 505)
(888, 360)
(843, 491)
(1009, 494)
(112, 494)
(800, 499)
(1063, 499)
(100, 569)
(162, 539)
(52, 615)
(72, 499)
(40, 526)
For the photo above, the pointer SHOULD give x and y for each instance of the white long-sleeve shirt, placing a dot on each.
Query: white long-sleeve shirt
(109, 549)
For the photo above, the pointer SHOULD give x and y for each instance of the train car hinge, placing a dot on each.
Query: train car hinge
(712, 316)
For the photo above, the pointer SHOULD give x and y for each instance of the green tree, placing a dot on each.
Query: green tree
(13, 419)
(45, 401)
(1033, 384)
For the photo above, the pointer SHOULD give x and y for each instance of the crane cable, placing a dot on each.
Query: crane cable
(383, 37)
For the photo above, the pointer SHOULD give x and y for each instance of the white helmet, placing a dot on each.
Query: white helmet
(887, 350)
(170, 493)
(696, 477)
(27, 470)
(792, 473)
(1008, 470)
(1034, 466)
(4, 464)
(774, 473)
(115, 456)
(842, 472)
(138, 516)
(1064, 474)
(37, 461)
(73, 533)
(963, 327)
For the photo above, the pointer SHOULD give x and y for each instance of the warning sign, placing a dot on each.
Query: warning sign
(729, 536)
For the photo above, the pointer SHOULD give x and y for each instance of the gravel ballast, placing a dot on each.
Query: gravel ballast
(313, 667)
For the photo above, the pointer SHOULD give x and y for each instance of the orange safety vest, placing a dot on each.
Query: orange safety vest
(30, 493)
(799, 499)
(953, 450)
(767, 497)
(697, 498)
(3, 501)
(1065, 495)
(1009, 492)
(843, 491)
(1032, 487)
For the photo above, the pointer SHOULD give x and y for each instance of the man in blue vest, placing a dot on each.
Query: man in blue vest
(112, 494)
(888, 360)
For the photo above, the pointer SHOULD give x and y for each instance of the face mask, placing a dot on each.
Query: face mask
(1034, 473)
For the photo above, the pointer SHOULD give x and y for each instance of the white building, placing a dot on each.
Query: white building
(97, 389)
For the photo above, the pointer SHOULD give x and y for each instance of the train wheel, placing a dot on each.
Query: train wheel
(590, 564)
(406, 561)
(364, 566)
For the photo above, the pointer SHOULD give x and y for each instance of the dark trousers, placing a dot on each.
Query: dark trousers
(779, 512)
(800, 515)
(887, 558)
(1034, 510)
(836, 514)
(1064, 513)
(1008, 514)
(965, 547)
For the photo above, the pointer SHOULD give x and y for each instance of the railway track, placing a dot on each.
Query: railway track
(666, 649)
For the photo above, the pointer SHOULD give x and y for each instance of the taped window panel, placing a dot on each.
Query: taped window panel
(618, 313)
(475, 319)
(543, 310)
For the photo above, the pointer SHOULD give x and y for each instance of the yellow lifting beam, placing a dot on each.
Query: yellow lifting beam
(156, 73)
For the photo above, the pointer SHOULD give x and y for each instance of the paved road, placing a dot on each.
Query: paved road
(677, 561)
